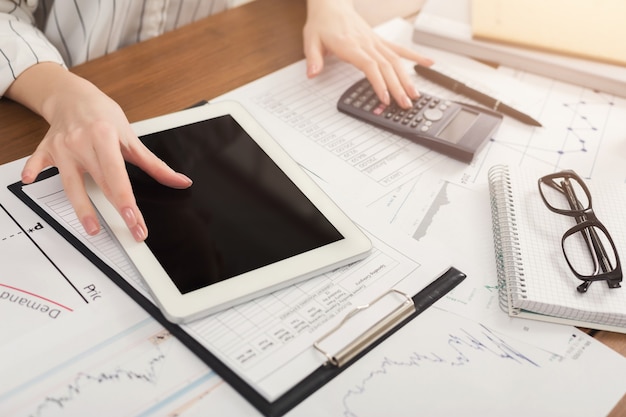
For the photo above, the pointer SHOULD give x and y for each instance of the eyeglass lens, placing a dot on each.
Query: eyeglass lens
(556, 195)
(589, 252)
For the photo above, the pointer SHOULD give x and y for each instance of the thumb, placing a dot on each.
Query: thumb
(314, 54)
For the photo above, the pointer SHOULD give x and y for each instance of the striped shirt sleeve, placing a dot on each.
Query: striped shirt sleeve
(70, 32)
(22, 45)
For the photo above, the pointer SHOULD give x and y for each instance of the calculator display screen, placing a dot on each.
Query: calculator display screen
(456, 128)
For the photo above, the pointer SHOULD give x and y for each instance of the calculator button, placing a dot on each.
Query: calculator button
(371, 104)
(433, 114)
(379, 110)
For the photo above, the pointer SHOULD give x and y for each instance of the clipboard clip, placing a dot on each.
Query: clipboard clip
(370, 335)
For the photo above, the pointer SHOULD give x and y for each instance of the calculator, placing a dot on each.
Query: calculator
(456, 129)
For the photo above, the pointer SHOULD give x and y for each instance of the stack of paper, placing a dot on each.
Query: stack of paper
(447, 25)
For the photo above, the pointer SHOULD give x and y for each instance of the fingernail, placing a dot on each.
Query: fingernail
(386, 98)
(27, 176)
(185, 178)
(91, 226)
(129, 217)
(136, 229)
(407, 102)
(312, 70)
(139, 233)
(413, 92)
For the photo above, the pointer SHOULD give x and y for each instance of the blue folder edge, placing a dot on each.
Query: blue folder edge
(422, 300)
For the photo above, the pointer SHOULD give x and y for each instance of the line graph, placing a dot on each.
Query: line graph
(580, 127)
(463, 348)
(442, 364)
(144, 360)
(83, 382)
(35, 288)
(17, 237)
(36, 296)
(578, 140)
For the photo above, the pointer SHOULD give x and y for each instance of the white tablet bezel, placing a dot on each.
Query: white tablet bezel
(179, 307)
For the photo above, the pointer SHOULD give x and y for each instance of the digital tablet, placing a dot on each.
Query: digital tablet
(251, 223)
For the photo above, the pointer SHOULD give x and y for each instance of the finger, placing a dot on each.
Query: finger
(400, 84)
(314, 54)
(34, 165)
(366, 61)
(393, 68)
(138, 154)
(74, 186)
(384, 69)
(115, 184)
(382, 72)
(409, 54)
(403, 74)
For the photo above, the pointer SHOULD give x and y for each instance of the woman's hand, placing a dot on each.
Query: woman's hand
(335, 26)
(89, 133)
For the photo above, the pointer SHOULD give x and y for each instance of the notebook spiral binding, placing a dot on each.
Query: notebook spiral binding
(506, 239)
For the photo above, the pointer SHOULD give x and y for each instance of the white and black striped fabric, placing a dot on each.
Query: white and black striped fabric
(71, 32)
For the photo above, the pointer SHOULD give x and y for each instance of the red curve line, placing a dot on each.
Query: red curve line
(35, 295)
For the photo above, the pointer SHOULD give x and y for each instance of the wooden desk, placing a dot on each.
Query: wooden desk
(206, 59)
(201, 61)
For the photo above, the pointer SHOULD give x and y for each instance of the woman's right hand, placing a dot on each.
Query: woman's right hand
(89, 133)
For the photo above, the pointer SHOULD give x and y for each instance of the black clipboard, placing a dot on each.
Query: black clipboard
(322, 375)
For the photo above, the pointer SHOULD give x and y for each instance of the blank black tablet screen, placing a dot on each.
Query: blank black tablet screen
(241, 213)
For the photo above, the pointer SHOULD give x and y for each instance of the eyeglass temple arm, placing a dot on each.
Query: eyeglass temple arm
(595, 246)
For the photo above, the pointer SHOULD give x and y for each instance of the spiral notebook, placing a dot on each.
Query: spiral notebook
(534, 279)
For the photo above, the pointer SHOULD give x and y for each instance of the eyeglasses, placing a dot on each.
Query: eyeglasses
(585, 244)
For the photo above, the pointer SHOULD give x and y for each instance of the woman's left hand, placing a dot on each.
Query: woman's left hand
(334, 26)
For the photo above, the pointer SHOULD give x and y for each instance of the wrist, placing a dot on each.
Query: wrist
(321, 5)
(42, 87)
